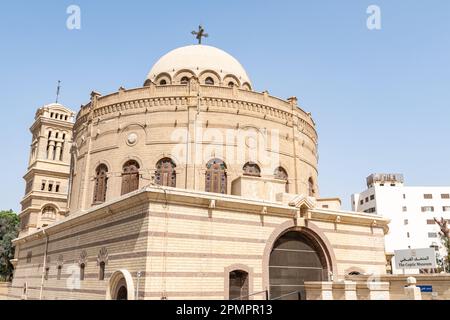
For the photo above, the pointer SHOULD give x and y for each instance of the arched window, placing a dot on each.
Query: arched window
(184, 80)
(82, 267)
(47, 271)
(231, 84)
(216, 176)
(311, 190)
(165, 174)
(163, 82)
(101, 184)
(101, 273)
(238, 281)
(251, 169)
(49, 212)
(281, 174)
(130, 177)
(209, 81)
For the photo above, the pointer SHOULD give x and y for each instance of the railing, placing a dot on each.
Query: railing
(266, 293)
(289, 294)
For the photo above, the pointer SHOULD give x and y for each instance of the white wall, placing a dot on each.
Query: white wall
(389, 202)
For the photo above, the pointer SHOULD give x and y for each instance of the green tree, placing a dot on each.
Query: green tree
(9, 229)
(445, 239)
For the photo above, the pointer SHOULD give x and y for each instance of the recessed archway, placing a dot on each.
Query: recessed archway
(295, 258)
(316, 237)
(120, 286)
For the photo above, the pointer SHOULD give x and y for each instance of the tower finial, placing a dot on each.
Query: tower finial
(57, 90)
(200, 34)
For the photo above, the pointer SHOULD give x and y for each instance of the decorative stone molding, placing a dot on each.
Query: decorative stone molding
(118, 278)
(300, 200)
(211, 97)
(83, 258)
(132, 139)
(102, 256)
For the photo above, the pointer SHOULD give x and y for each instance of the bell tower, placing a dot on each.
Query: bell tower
(47, 176)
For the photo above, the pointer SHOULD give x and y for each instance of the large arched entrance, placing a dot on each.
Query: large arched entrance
(296, 257)
(120, 286)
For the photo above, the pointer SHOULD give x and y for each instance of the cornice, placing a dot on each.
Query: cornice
(174, 196)
(147, 99)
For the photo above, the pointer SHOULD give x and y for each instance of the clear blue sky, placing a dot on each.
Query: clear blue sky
(380, 98)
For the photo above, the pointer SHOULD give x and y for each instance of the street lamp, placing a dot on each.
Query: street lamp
(139, 274)
(435, 246)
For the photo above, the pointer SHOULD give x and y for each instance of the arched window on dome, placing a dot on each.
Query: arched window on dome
(209, 81)
(231, 84)
(281, 174)
(184, 80)
(165, 174)
(216, 176)
(246, 86)
(311, 190)
(163, 82)
(101, 184)
(251, 169)
(130, 177)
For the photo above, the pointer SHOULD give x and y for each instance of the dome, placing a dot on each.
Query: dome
(198, 59)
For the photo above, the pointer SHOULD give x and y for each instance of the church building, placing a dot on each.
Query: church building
(193, 186)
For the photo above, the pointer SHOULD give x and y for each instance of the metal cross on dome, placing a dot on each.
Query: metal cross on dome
(200, 34)
(57, 90)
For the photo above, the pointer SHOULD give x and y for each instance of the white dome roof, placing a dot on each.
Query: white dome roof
(199, 58)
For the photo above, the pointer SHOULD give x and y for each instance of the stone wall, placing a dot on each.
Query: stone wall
(184, 246)
(117, 238)
(159, 119)
(4, 287)
(383, 287)
(397, 283)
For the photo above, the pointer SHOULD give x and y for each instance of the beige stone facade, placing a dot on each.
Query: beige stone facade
(163, 116)
(4, 288)
(184, 247)
(129, 225)
(47, 177)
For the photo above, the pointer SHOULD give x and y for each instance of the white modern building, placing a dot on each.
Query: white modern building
(411, 210)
